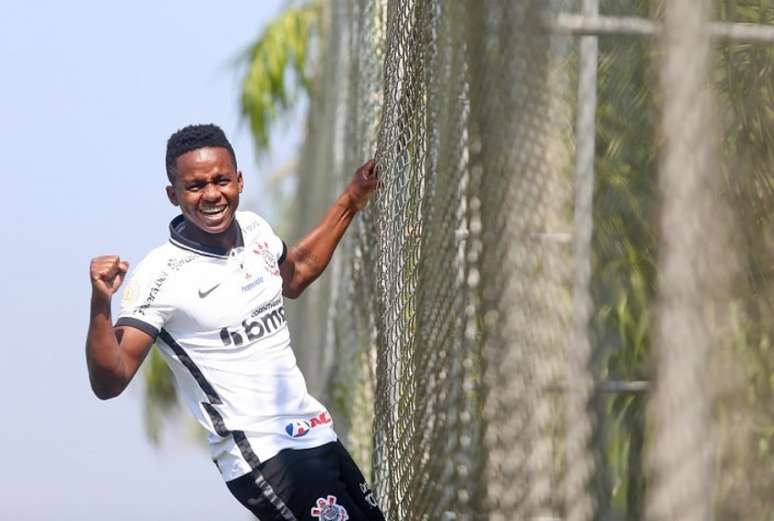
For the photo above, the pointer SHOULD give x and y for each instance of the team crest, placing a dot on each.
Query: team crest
(262, 249)
(328, 510)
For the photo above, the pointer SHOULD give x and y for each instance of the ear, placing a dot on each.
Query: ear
(240, 181)
(172, 196)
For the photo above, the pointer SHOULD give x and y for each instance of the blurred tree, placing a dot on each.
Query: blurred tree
(744, 76)
(625, 253)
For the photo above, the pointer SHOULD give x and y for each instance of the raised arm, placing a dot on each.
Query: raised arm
(113, 354)
(307, 259)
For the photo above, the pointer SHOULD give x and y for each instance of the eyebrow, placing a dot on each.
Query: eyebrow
(208, 178)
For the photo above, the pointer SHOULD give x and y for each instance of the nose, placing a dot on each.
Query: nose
(211, 192)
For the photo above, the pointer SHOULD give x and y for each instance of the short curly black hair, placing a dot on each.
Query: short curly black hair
(193, 137)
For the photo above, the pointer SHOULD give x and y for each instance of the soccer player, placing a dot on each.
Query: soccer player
(212, 301)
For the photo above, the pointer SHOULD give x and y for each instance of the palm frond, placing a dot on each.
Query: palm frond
(277, 70)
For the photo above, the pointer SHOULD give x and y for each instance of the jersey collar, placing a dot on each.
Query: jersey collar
(176, 228)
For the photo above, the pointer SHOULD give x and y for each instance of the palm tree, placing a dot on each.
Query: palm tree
(278, 68)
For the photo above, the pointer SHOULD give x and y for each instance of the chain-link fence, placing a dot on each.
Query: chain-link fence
(558, 306)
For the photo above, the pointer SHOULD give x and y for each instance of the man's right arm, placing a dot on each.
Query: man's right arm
(113, 354)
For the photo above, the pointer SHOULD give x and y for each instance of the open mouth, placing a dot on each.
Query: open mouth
(212, 217)
(213, 211)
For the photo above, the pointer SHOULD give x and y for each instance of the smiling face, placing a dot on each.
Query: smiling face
(206, 187)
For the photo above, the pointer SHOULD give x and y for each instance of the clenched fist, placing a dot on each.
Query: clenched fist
(107, 273)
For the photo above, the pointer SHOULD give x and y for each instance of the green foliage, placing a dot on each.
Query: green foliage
(625, 253)
(278, 68)
(160, 394)
(744, 74)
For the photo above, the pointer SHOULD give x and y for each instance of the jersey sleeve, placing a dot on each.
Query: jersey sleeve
(147, 300)
(280, 250)
(277, 245)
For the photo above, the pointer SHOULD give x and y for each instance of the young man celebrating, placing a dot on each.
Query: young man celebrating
(212, 301)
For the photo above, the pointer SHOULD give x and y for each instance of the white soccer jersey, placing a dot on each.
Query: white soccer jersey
(219, 321)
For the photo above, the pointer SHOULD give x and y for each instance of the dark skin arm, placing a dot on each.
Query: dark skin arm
(307, 259)
(113, 354)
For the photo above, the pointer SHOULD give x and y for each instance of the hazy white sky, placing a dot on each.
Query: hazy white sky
(90, 91)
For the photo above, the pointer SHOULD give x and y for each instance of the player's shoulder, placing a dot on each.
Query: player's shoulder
(252, 223)
(163, 259)
(247, 218)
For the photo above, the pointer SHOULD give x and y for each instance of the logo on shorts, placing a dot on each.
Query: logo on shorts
(368, 495)
(299, 428)
(328, 510)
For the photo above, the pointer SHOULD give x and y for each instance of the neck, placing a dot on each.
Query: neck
(226, 239)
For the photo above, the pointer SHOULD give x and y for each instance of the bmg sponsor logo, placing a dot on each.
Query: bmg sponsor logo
(300, 428)
(253, 329)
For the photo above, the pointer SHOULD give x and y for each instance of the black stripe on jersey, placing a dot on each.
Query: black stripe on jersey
(217, 420)
(251, 458)
(284, 253)
(209, 391)
(247, 451)
(240, 439)
(138, 324)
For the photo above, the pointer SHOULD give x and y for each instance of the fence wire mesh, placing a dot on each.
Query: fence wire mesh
(559, 216)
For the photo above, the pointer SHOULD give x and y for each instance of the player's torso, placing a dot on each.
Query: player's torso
(229, 302)
(220, 324)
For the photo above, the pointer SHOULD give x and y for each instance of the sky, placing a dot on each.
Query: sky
(90, 92)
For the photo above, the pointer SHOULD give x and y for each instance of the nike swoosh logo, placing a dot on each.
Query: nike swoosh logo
(203, 294)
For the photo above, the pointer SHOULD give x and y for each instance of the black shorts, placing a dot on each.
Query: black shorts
(319, 484)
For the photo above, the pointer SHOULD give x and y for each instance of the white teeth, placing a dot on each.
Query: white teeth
(211, 211)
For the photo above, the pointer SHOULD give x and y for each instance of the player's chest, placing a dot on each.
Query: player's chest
(223, 292)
